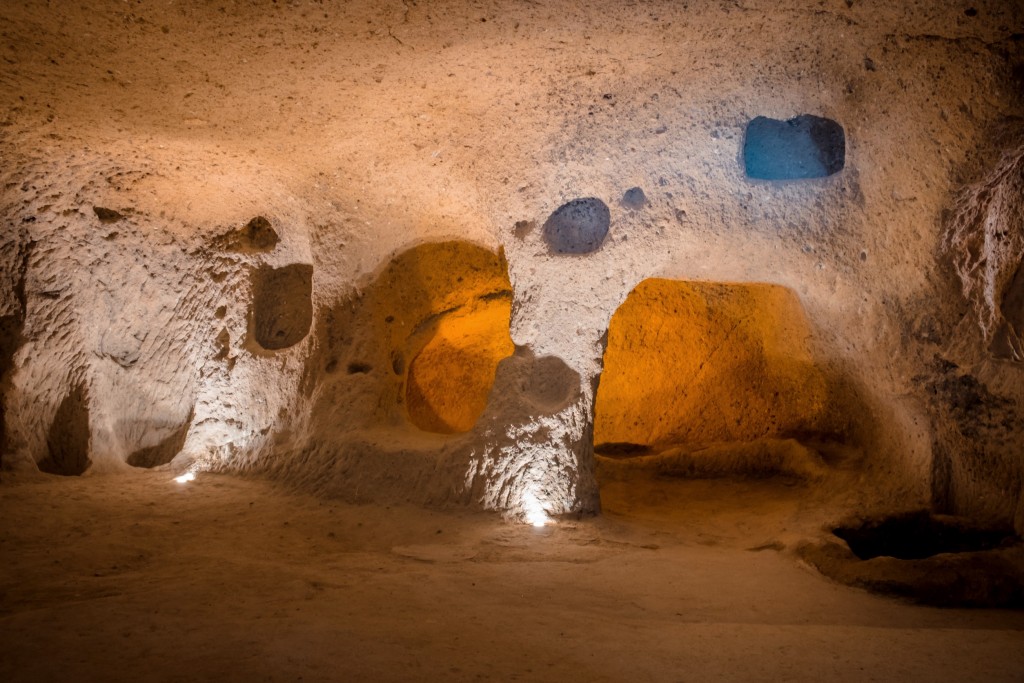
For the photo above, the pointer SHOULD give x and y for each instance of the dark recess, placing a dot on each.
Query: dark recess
(258, 234)
(1008, 340)
(107, 215)
(634, 198)
(397, 362)
(621, 449)
(10, 340)
(920, 534)
(551, 384)
(523, 228)
(578, 227)
(803, 147)
(282, 305)
(68, 440)
(163, 452)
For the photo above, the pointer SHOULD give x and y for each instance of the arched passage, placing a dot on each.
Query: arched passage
(698, 363)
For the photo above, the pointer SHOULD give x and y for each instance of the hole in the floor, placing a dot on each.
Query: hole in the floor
(68, 440)
(803, 147)
(359, 368)
(578, 227)
(695, 362)
(917, 535)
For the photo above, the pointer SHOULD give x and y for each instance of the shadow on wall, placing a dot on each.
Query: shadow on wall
(976, 464)
(1008, 341)
(693, 362)
(12, 321)
(418, 346)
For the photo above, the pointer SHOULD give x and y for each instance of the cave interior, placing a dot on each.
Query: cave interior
(500, 340)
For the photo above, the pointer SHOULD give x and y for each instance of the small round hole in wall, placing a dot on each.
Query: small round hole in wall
(578, 227)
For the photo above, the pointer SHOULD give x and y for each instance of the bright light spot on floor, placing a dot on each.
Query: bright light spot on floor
(185, 478)
(533, 511)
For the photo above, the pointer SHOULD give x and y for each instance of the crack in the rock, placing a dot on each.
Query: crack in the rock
(957, 40)
(405, 20)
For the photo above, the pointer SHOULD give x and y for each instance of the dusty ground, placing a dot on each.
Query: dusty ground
(139, 578)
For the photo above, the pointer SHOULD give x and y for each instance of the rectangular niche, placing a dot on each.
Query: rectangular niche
(803, 147)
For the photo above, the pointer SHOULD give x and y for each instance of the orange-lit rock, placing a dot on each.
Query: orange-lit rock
(701, 362)
(450, 379)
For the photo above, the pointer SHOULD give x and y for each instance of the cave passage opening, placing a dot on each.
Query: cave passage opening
(721, 377)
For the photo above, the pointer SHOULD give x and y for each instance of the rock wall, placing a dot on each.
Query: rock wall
(201, 209)
(977, 389)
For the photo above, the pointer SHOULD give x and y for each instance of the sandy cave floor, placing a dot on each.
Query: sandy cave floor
(229, 579)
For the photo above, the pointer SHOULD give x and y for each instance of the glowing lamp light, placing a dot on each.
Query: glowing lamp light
(185, 478)
(533, 511)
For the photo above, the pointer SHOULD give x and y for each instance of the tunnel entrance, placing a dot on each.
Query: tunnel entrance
(721, 375)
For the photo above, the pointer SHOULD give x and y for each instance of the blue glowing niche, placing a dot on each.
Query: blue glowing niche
(803, 147)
